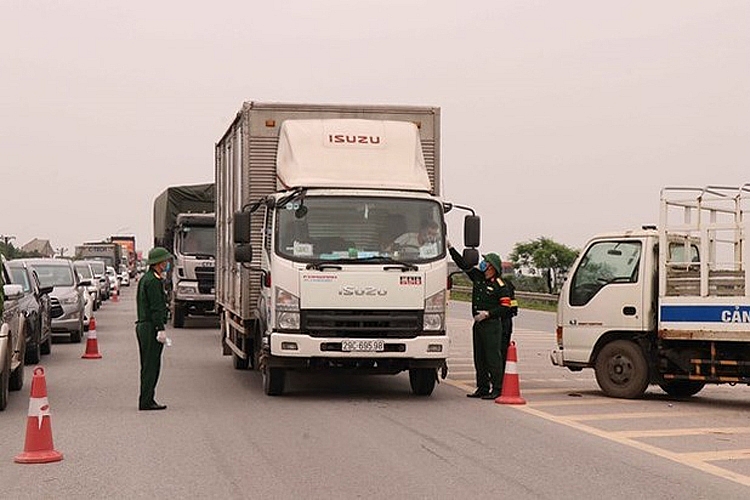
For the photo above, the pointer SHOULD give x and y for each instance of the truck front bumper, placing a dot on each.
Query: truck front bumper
(304, 346)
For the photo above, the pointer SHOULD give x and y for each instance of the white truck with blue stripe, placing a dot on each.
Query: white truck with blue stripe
(668, 306)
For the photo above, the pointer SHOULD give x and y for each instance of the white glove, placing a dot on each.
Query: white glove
(481, 316)
(161, 336)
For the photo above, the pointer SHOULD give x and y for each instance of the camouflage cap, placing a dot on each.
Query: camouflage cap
(496, 262)
(158, 254)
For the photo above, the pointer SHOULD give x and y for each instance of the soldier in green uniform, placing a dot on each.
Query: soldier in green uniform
(152, 316)
(490, 302)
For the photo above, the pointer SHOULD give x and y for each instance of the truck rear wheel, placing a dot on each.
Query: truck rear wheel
(682, 388)
(273, 381)
(4, 381)
(622, 370)
(16, 378)
(239, 363)
(422, 380)
(178, 319)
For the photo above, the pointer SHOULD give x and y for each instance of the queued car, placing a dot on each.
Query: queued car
(114, 281)
(124, 275)
(100, 275)
(12, 338)
(67, 296)
(86, 272)
(35, 306)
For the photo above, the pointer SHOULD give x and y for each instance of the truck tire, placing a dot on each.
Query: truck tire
(682, 388)
(273, 381)
(33, 353)
(422, 381)
(622, 370)
(178, 318)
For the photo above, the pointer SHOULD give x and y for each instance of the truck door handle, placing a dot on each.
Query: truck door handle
(628, 311)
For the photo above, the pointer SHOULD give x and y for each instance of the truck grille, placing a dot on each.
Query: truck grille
(55, 309)
(361, 324)
(206, 277)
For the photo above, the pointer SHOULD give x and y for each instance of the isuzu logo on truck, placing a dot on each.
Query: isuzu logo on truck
(353, 139)
(348, 290)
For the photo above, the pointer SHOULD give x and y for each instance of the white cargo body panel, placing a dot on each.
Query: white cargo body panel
(246, 171)
(704, 286)
(351, 154)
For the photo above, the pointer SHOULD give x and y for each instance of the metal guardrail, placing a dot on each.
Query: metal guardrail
(550, 298)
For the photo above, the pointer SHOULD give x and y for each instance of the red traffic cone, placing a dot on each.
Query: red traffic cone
(115, 296)
(39, 448)
(92, 345)
(511, 394)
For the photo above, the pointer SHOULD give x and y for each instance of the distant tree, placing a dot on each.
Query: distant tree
(552, 259)
(11, 252)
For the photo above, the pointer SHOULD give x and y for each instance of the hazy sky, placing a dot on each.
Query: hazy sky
(560, 118)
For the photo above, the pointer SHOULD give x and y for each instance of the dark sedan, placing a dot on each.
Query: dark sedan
(35, 305)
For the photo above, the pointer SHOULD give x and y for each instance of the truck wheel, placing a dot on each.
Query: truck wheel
(422, 380)
(621, 370)
(178, 318)
(16, 378)
(682, 388)
(273, 381)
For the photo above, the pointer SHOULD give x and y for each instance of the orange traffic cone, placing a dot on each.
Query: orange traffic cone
(115, 296)
(92, 345)
(39, 448)
(511, 394)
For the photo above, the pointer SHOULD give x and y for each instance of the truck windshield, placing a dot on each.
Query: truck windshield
(198, 241)
(312, 229)
(605, 262)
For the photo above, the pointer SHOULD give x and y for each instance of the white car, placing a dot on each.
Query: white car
(124, 276)
(114, 281)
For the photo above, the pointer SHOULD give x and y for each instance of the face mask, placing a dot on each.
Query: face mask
(483, 266)
(168, 267)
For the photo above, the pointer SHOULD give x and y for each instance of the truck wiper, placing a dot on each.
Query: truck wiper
(406, 266)
(319, 265)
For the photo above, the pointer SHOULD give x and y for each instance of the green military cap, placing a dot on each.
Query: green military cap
(158, 254)
(495, 261)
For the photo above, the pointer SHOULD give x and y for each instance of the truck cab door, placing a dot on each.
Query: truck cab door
(605, 293)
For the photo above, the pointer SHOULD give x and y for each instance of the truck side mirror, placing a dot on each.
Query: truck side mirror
(243, 253)
(471, 256)
(471, 231)
(242, 227)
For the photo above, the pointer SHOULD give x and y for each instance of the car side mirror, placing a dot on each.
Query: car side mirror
(472, 231)
(12, 292)
(471, 256)
(242, 227)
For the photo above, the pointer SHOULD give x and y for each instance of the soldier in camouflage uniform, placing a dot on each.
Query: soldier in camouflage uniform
(491, 302)
(152, 316)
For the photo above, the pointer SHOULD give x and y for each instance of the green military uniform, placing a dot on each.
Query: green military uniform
(488, 337)
(152, 316)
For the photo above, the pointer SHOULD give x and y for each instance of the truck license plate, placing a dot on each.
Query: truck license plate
(362, 345)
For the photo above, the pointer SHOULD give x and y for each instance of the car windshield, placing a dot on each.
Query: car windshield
(312, 229)
(199, 241)
(52, 275)
(84, 270)
(98, 267)
(19, 277)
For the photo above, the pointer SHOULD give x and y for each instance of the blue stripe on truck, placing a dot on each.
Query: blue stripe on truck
(706, 314)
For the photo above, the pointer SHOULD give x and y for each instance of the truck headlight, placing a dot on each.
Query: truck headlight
(434, 312)
(287, 310)
(187, 288)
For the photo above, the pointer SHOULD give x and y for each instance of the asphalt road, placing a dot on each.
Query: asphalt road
(364, 437)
